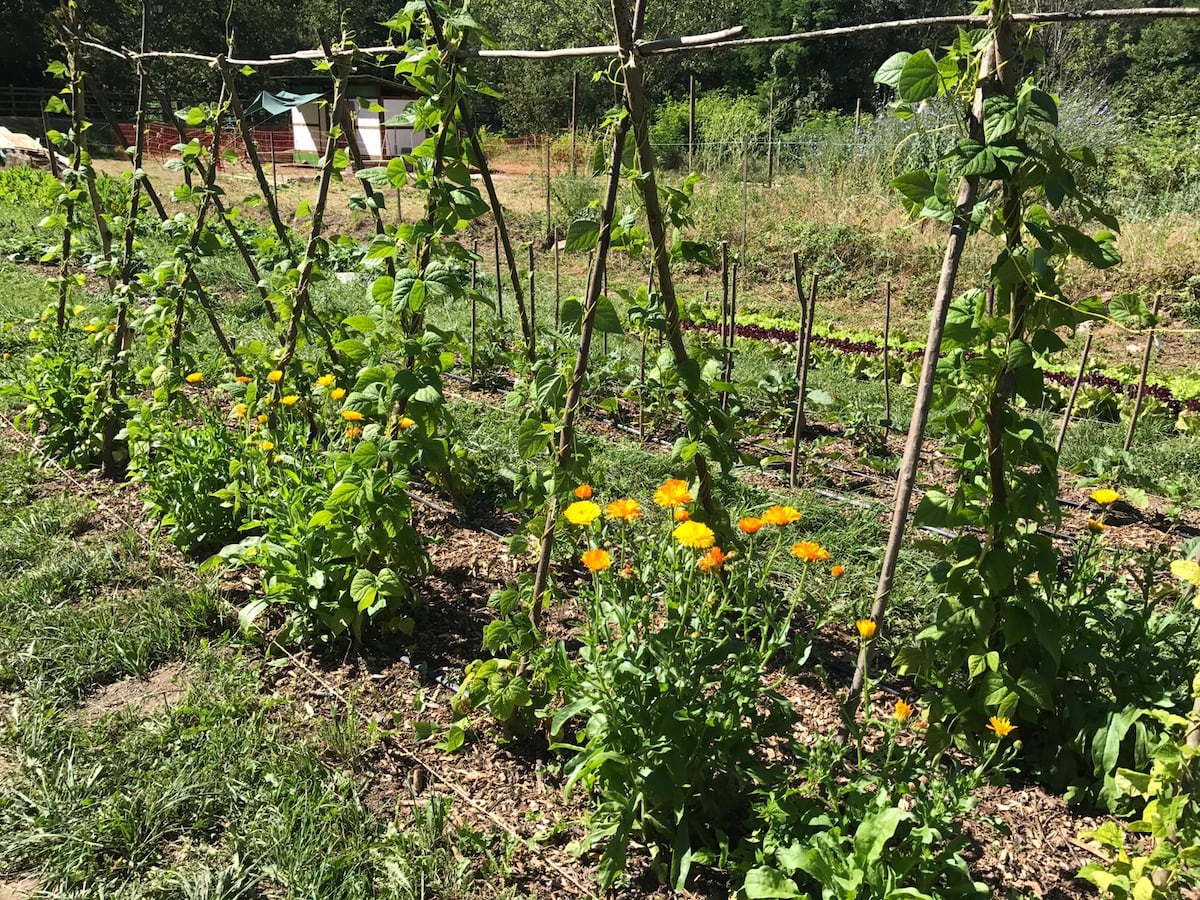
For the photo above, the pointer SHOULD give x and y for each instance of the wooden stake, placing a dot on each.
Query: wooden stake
(887, 371)
(532, 307)
(566, 434)
(728, 374)
(499, 283)
(858, 115)
(800, 423)
(557, 282)
(724, 293)
(474, 297)
(1066, 417)
(1141, 390)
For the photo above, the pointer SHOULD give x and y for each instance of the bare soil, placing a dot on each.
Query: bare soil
(162, 688)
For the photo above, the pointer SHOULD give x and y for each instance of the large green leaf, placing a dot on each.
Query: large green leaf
(764, 883)
(919, 79)
(889, 72)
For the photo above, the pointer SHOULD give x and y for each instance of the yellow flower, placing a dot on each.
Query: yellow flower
(267, 446)
(275, 376)
(866, 628)
(903, 710)
(750, 524)
(239, 410)
(1096, 527)
(781, 515)
(7, 357)
(696, 535)
(713, 560)
(837, 571)
(111, 328)
(337, 393)
(1001, 726)
(325, 381)
(406, 422)
(91, 329)
(194, 377)
(352, 432)
(583, 492)
(1105, 497)
(673, 492)
(289, 400)
(809, 551)
(596, 560)
(352, 415)
(582, 512)
(625, 509)
(242, 379)
(262, 419)
(680, 514)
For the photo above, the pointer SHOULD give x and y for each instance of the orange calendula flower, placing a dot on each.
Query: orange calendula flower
(781, 515)
(325, 381)
(1096, 527)
(583, 492)
(1001, 726)
(275, 376)
(239, 410)
(713, 560)
(596, 560)
(290, 400)
(672, 493)
(91, 329)
(866, 628)
(809, 551)
(582, 513)
(337, 393)
(696, 535)
(242, 379)
(406, 422)
(680, 514)
(262, 419)
(837, 571)
(750, 524)
(111, 328)
(267, 446)
(903, 710)
(194, 377)
(624, 509)
(352, 415)
(353, 432)
(1105, 496)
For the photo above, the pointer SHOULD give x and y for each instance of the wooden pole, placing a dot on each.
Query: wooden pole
(857, 115)
(532, 307)
(887, 370)
(557, 282)
(968, 190)
(800, 423)
(499, 283)
(745, 197)
(724, 294)
(574, 121)
(474, 296)
(691, 123)
(274, 165)
(727, 376)
(1141, 389)
(1066, 417)
(566, 434)
(549, 222)
(771, 141)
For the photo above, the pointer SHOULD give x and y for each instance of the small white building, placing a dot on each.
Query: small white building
(378, 107)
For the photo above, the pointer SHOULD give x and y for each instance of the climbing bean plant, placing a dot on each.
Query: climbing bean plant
(1019, 630)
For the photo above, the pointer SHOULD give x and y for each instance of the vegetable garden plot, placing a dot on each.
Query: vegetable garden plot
(289, 449)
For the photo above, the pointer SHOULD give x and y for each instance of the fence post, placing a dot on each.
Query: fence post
(691, 123)
(771, 141)
(574, 117)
